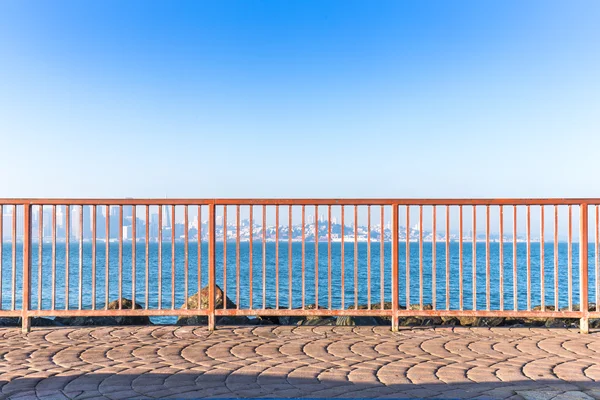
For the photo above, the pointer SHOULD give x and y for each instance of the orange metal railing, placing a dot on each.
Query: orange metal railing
(303, 274)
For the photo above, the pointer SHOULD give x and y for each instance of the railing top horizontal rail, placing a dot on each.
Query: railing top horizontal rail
(305, 201)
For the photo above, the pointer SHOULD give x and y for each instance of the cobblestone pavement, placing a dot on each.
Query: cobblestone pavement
(284, 361)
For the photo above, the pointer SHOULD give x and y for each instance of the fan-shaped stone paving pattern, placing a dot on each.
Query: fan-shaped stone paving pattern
(285, 361)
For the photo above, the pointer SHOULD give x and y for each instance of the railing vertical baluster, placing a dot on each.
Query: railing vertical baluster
(355, 257)
(342, 258)
(250, 254)
(328, 256)
(67, 254)
(224, 256)
(460, 256)
(556, 298)
(487, 258)
(501, 245)
(381, 260)
(40, 252)
(133, 255)
(597, 245)
(1, 249)
(186, 250)
(303, 255)
(433, 258)
(237, 256)
(53, 305)
(395, 240)
(407, 255)
(583, 268)
(80, 273)
(120, 256)
(316, 256)
(26, 303)
(528, 228)
(211, 266)
(199, 266)
(173, 277)
(94, 214)
(570, 259)
(474, 254)
(277, 256)
(264, 256)
(14, 257)
(421, 284)
(147, 251)
(107, 245)
(447, 257)
(160, 232)
(542, 272)
(515, 278)
(369, 257)
(290, 232)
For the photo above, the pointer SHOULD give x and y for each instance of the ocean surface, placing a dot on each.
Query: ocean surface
(270, 272)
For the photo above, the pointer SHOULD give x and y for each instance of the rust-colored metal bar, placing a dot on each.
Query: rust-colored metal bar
(433, 258)
(447, 257)
(368, 258)
(67, 254)
(40, 253)
(307, 201)
(199, 234)
(250, 263)
(597, 247)
(583, 269)
(173, 278)
(421, 283)
(395, 268)
(556, 295)
(186, 252)
(317, 257)
(407, 256)
(94, 232)
(160, 232)
(146, 256)
(224, 256)
(14, 256)
(460, 257)
(107, 251)
(290, 231)
(133, 255)
(528, 233)
(382, 259)
(277, 257)
(237, 256)
(53, 304)
(487, 258)
(515, 278)
(570, 257)
(501, 246)
(1, 249)
(120, 256)
(264, 256)
(542, 272)
(211, 266)
(356, 257)
(303, 255)
(80, 273)
(199, 237)
(27, 249)
(474, 239)
(342, 259)
(328, 257)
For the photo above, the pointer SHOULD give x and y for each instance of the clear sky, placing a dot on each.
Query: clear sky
(299, 99)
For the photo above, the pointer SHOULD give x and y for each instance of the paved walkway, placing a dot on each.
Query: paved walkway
(281, 361)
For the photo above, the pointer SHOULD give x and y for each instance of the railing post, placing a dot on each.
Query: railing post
(211, 265)
(395, 238)
(26, 303)
(583, 268)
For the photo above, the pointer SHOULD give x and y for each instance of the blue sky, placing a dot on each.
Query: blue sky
(299, 99)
